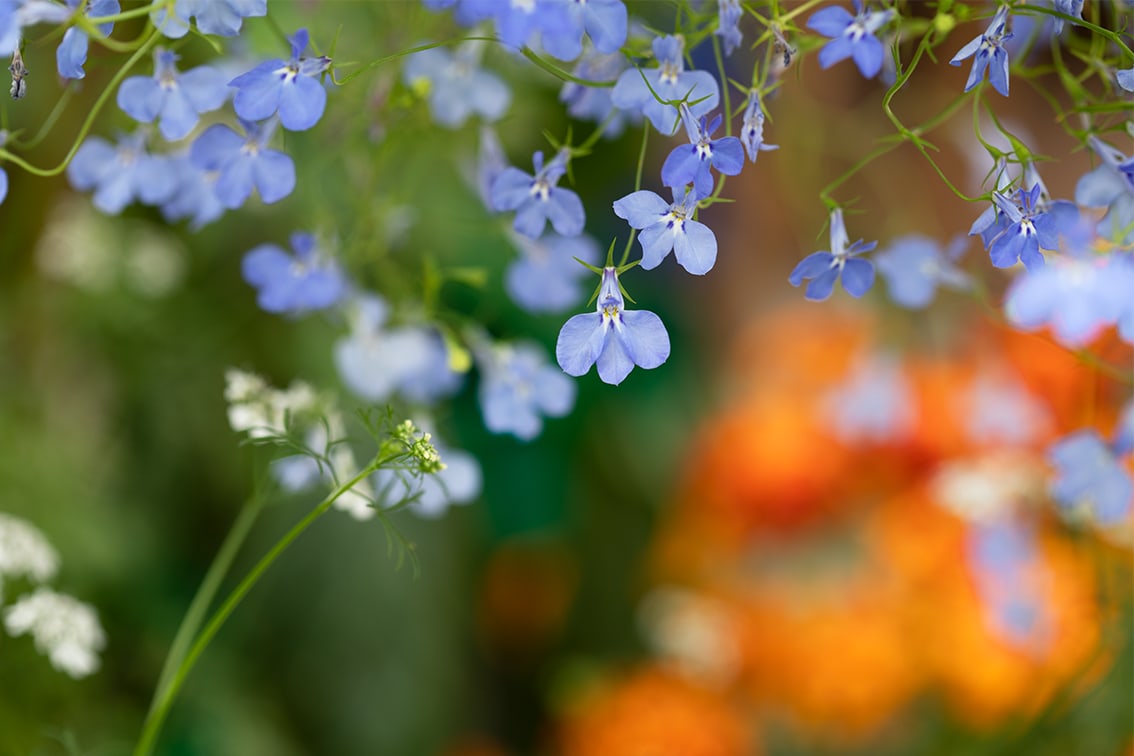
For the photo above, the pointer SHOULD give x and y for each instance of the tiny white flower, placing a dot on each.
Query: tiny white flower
(64, 628)
(24, 551)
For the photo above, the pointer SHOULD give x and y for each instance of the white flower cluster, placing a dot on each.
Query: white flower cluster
(260, 410)
(65, 629)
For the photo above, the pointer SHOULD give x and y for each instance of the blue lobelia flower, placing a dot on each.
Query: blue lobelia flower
(691, 163)
(1069, 7)
(1029, 226)
(594, 103)
(615, 338)
(666, 227)
(194, 198)
(3, 185)
(874, 403)
(244, 163)
(536, 199)
(518, 386)
(517, 21)
(1124, 432)
(841, 262)
(220, 17)
(990, 54)
(72, 51)
(669, 82)
(15, 15)
(851, 36)
(729, 14)
(547, 277)
(457, 87)
(1110, 185)
(1010, 581)
(308, 280)
(120, 175)
(1125, 78)
(914, 266)
(1077, 295)
(287, 87)
(752, 129)
(375, 361)
(177, 99)
(1089, 476)
(604, 21)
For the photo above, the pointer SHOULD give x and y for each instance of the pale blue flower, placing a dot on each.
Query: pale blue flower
(176, 99)
(1090, 477)
(604, 21)
(752, 129)
(243, 163)
(615, 338)
(121, 174)
(518, 386)
(220, 17)
(990, 54)
(72, 51)
(1110, 185)
(841, 263)
(458, 87)
(691, 163)
(1003, 557)
(295, 284)
(289, 88)
(874, 403)
(729, 14)
(536, 198)
(670, 82)
(594, 103)
(665, 227)
(547, 277)
(914, 266)
(430, 496)
(1026, 226)
(195, 198)
(851, 36)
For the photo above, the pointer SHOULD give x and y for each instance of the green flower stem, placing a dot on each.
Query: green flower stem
(637, 185)
(49, 122)
(401, 54)
(111, 87)
(145, 10)
(559, 73)
(158, 712)
(207, 591)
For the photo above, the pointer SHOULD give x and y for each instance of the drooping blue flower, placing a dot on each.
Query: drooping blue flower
(1124, 431)
(121, 174)
(536, 199)
(1090, 477)
(9, 26)
(851, 36)
(670, 82)
(594, 103)
(1110, 185)
(376, 361)
(914, 266)
(615, 338)
(177, 99)
(1010, 581)
(3, 185)
(308, 280)
(990, 54)
(1069, 7)
(1125, 78)
(665, 226)
(1076, 295)
(691, 163)
(874, 403)
(220, 17)
(15, 15)
(518, 386)
(194, 198)
(546, 277)
(72, 51)
(604, 21)
(729, 14)
(1027, 226)
(244, 163)
(824, 268)
(289, 88)
(457, 86)
(752, 130)
(490, 163)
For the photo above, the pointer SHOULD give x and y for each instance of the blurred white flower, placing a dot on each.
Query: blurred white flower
(256, 408)
(24, 551)
(64, 628)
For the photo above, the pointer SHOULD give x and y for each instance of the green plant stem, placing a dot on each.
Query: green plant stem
(106, 94)
(207, 591)
(151, 728)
